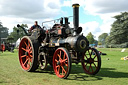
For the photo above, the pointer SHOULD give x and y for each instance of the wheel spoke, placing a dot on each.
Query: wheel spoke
(95, 61)
(63, 69)
(43, 60)
(94, 57)
(31, 60)
(25, 43)
(28, 65)
(58, 69)
(86, 64)
(60, 53)
(59, 56)
(31, 56)
(25, 62)
(86, 56)
(57, 66)
(23, 56)
(56, 60)
(64, 60)
(64, 56)
(95, 65)
(66, 64)
(85, 60)
(30, 49)
(92, 68)
(23, 49)
(29, 44)
(89, 53)
(89, 67)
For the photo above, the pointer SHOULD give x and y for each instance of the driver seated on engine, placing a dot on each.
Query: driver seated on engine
(34, 27)
(37, 32)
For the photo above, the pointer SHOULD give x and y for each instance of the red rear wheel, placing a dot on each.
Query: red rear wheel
(28, 51)
(3, 47)
(91, 61)
(62, 63)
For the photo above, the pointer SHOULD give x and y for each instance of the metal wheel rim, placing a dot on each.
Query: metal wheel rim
(61, 69)
(25, 54)
(90, 62)
(43, 63)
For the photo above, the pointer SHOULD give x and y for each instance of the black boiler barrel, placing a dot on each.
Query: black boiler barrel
(79, 43)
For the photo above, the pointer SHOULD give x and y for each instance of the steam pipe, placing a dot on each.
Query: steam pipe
(23, 29)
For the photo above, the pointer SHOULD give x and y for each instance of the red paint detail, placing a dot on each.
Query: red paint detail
(59, 31)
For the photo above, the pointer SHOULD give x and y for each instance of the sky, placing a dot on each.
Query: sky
(95, 16)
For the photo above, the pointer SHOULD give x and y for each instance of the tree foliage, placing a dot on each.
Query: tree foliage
(17, 32)
(3, 31)
(90, 38)
(119, 30)
(102, 38)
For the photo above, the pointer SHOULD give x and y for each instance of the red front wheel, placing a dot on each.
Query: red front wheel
(62, 63)
(91, 61)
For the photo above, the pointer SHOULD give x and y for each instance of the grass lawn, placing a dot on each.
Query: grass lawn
(113, 71)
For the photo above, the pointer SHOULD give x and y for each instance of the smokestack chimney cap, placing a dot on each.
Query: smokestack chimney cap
(75, 5)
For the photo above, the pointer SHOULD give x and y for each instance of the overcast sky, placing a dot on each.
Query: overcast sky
(95, 15)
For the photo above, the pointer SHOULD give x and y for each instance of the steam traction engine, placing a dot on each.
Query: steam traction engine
(59, 46)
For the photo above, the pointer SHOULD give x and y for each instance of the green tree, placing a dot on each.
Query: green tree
(102, 38)
(95, 42)
(18, 32)
(119, 30)
(107, 41)
(90, 38)
(3, 31)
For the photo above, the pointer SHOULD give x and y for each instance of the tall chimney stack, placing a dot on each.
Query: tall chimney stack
(76, 16)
